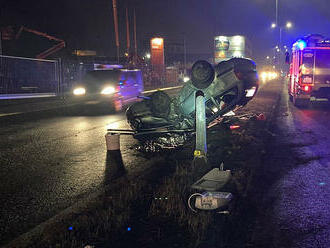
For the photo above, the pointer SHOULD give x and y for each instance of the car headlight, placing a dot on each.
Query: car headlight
(264, 76)
(79, 91)
(108, 90)
(275, 75)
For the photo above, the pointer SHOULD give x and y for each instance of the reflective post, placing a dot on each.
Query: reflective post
(216, 178)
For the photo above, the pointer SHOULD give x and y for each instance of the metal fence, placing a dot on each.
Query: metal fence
(27, 76)
(72, 72)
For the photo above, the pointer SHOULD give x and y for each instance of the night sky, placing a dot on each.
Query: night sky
(88, 24)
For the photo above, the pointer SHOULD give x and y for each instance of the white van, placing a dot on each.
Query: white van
(117, 87)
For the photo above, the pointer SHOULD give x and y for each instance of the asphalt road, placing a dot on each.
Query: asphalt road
(47, 164)
(51, 159)
(297, 205)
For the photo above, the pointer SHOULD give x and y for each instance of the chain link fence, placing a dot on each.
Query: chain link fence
(72, 72)
(29, 77)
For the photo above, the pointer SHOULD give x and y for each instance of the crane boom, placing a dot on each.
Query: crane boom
(49, 51)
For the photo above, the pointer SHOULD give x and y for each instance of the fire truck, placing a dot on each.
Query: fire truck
(309, 75)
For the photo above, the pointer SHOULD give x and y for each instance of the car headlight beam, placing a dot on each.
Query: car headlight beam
(108, 90)
(79, 91)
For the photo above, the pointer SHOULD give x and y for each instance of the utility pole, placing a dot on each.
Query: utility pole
(280, 45)
(135, 42)
(0, 43)
(277, 22)
(115, 18)
(127, 34)
(184, 54)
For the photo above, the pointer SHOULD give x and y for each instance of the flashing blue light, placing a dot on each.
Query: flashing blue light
(70, 228)
(322, 184)
(301, 44)
(129, 229)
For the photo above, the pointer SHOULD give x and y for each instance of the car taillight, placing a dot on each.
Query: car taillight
(307, 88)
(250, 92)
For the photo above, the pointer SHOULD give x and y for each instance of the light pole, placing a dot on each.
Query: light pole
(184, 54)
(276, 12)
(278, 48)
(275, 24)
(288, 26)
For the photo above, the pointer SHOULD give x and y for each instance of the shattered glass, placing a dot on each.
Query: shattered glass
(163, 143)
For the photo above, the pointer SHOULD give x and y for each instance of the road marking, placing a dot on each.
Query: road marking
(7, 114)
(26, 95)
(169, 88)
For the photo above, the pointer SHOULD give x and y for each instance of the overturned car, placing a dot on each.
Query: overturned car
(227, 86)
(161, 121)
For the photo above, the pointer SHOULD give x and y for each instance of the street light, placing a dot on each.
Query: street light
(278, 48)
(289, 25)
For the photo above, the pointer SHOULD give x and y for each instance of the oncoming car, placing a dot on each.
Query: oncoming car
(115, 88)
(268, 75)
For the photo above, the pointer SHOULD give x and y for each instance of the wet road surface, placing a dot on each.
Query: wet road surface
(51, 159)
(50, 162)
(297, 205)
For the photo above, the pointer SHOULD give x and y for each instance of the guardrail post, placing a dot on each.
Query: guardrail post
(200, 120)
